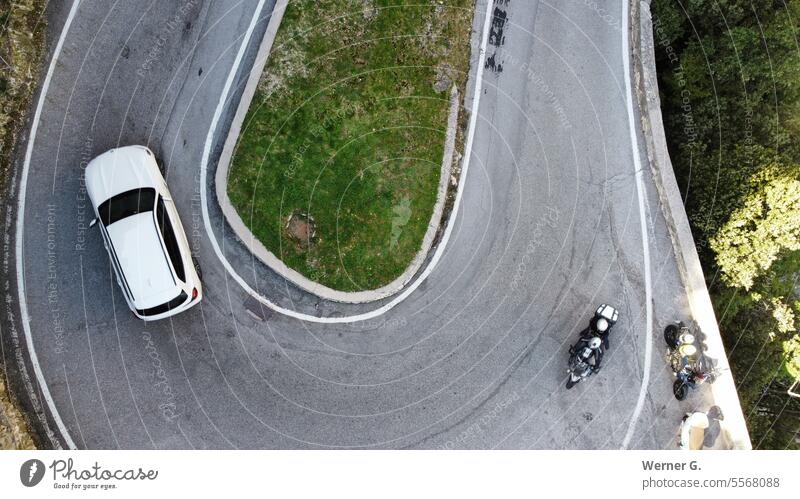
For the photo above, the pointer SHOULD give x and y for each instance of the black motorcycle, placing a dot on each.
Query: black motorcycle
(586, 355)
(690, 365)
(584, 360)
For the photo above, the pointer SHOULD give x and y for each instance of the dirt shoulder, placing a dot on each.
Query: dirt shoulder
(23, 30)
(14, 431)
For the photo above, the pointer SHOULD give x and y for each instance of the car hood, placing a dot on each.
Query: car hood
(116, 171)
(138, 247)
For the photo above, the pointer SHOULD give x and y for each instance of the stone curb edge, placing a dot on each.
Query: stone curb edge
(259, 251)
(646, 87)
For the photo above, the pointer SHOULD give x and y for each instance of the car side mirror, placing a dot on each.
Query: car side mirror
(93, 222)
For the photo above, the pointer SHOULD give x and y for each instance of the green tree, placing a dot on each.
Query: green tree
(729, 72)
(757, 233)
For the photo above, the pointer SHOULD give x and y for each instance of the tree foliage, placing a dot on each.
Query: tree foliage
(729, 72)
(757, 233)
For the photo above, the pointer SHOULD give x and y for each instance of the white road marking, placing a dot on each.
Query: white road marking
(23, 304)
(637, 166)
(450, 224)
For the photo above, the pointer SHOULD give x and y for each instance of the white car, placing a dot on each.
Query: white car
(143, 233)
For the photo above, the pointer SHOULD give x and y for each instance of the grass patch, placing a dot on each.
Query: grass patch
(346, 133)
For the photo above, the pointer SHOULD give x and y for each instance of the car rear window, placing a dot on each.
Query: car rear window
(127, 204)
(164, 307)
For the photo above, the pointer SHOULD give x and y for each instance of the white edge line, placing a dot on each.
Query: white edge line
(648, 349)
(23, 305)
(448, 229)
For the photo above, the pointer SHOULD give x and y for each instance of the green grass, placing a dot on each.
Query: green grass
(348, 127)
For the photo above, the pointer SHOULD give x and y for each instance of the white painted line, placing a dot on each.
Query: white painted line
(637, 165)
(450, 224)
(23, 304)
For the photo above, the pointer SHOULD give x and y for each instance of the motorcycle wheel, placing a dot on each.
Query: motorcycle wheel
(680, 389)
(671, 335)
(571, 383)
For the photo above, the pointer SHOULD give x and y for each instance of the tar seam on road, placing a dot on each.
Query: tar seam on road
(648, 349)
(23, 305)
(448, 229)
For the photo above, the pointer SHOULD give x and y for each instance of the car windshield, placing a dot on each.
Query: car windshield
(126, 204)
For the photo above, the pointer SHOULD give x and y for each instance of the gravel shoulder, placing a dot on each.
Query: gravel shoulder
(24, 32)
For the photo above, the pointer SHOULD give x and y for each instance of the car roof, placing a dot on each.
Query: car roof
(141, 257)
(119, 170)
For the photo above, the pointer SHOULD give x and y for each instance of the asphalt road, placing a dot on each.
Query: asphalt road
(554, 220)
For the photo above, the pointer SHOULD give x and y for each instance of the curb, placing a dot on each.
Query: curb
(646, 85)
(259, 251)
